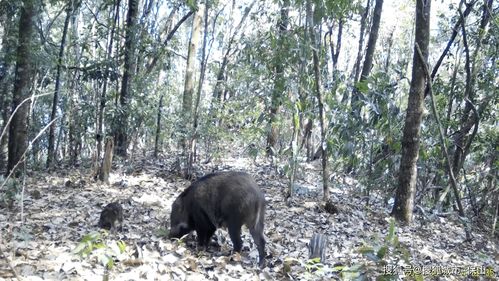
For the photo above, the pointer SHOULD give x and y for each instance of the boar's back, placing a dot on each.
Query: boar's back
(226, 197)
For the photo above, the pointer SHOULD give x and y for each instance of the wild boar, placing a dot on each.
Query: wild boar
(223, 199)
(111, 215)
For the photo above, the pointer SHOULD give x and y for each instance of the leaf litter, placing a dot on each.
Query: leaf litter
(66, 208)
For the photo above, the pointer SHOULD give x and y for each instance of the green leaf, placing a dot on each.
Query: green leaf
(314, 260)
(122, 246)
(391, 230)
(191, 4)
(90, 237)
(366, 249)
(362, 86)
(382, 252)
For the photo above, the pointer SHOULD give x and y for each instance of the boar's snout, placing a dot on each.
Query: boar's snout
(179, 230)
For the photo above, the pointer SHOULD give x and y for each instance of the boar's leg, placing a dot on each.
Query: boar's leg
(257, 234)
(260, 244)
(235, 236)
(203, 226)
(204, 233)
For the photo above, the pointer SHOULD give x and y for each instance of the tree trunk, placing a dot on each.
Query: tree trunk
(363, 23)
(186, 120)
(192, 151)
(7, 64)
(461, 138)
(404, 197)
(107, 161)
(371, 43)
(158, 56)
(366, 69)
(51, 152)
(335, 52)
(368, 61)
(158, 127)
(126, 83)
(455, 31)
(24, 73)
(102, 104)
(318, 94)
(279, 81)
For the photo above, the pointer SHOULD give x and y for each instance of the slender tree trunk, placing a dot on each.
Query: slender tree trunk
(368, 61)
(318, 94)
(404, 197)
(461, 138)
(126, 82)
(363, 23)
(102, 104)
(366, 69)
(158, 56)
(18, 130)
(373, 38)
(335, 52)
(158, 127)
(388, 53)
(51, 152)
(204, 58)
(279, 81)
(187, 112)
(455, 31)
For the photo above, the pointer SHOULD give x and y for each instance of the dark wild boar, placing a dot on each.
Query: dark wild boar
(224, 199)
(111, 215)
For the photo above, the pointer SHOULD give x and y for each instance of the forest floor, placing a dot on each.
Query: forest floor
(60, 209)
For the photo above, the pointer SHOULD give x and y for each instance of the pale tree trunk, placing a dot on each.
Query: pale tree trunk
(204, 58)
(317, 92)
(406, 189)
(279, 81)
(107, 161)
(51, 154)
(186, 120)
(24, 73)
(126, 83)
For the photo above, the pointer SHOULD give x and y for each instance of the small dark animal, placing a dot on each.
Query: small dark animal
(224, 199)
(111, 215)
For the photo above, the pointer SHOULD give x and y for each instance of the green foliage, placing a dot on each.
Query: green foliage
(384, 252)
(95, 245)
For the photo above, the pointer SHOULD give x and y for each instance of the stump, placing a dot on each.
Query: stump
(318, 246)
(107, 161)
